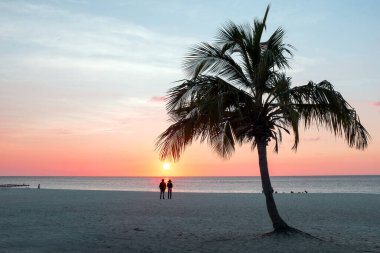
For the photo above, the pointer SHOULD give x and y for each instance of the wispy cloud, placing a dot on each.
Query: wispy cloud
(159, 99)
(60, 34)
(377, 104)
(301, 63)
(312, 139)
(123, 115)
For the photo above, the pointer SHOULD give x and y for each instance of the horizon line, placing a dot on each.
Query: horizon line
(343, 175)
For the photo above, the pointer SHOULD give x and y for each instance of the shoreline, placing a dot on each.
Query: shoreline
(184, 192)
(130, 221)
(355, 184)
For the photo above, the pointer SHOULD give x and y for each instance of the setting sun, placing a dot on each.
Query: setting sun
(166, 166)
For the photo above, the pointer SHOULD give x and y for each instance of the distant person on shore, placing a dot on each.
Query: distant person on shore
(162, 187)
(170, 187)
(39, 186)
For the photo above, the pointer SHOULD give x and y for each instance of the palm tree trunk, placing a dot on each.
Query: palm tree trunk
(279, 224)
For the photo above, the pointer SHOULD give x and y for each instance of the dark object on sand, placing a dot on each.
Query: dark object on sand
(13, 185)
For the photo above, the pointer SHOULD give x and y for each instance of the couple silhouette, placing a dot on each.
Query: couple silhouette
(163, 186)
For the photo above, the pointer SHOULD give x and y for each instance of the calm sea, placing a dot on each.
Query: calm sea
(315, 184)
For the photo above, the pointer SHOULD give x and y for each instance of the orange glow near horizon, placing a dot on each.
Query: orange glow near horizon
(124, 154)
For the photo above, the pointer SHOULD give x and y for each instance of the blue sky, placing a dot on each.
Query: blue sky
(81, 68)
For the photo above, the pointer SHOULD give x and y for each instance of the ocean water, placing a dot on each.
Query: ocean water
(315, 184)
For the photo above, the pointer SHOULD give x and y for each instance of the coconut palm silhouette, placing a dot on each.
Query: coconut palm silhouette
(237, 92)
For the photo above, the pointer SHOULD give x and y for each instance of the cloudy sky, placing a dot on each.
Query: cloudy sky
(82, 82)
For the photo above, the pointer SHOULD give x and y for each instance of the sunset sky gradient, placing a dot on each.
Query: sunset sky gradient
(82, 84)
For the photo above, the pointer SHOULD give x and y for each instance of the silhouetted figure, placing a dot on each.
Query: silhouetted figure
(170, 187)
(39, 186)
(305, 191)
(162, 187)
(291, 192)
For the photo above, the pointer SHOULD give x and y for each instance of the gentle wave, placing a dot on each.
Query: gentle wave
(314, 184)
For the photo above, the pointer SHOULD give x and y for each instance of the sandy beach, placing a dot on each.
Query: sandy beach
(34, 220)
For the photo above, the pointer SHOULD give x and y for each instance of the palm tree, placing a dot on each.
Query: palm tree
(237, 92)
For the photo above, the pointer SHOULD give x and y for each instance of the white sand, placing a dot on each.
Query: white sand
(34, 220)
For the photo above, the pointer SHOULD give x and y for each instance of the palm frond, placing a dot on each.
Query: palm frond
(202, 108)
(276, 52)
(174, 140)
(237, 37)
(320, 105)
(216, 61)
(223, 141)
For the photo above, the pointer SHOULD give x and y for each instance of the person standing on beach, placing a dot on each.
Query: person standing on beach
(170, 187)
(162, 187)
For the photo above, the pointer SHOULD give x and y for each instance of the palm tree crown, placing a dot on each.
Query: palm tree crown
(237, 92)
